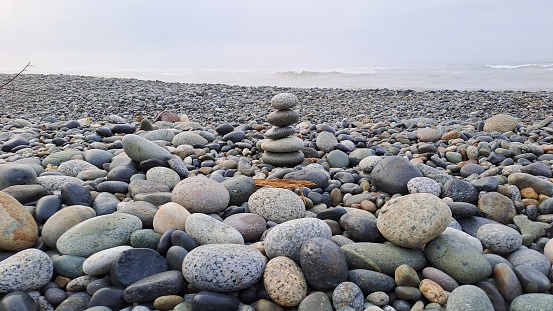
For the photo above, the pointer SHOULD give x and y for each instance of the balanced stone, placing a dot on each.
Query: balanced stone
(276, 204)
(284, 101)
(201, 195)
(277, 132)
(287, 144)
(413, 220)
(223, 267)
(283, 117)
(285, 159)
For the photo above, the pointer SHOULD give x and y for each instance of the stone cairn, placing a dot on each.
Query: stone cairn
(282, 147)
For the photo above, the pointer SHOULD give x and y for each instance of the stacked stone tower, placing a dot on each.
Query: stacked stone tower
(282, 147)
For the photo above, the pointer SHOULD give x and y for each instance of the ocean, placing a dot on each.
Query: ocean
(522, 76)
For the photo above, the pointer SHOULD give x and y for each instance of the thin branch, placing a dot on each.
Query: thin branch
(14, 77)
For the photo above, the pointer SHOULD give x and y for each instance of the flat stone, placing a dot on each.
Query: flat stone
(98, 233)
(284, 101)
(201, 195)
(74, 167)
(100, 263)
(276, 204)
(18, 228)
(208, 230)
(223, 267)
(315, 175)
(56, 158)
(188, 138)
(57, 182)
(287, 144)
(523, 180)
(283, 117)
(163, 175)
(441, 278)
(154, 286)
(530, 257)
(25, 193)
(371, 281)
(135, 264)
(427, 134)
(144, 210)
(24, 271)
(284, 281)
(413, 220)
(139, 149)
(277, 132)
(283, 159)
(206, 300)
(287, 238)
(383, 258)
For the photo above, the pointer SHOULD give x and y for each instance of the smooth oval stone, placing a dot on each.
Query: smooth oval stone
(414, 219)
(323, 263)
(468, 297)
(235, 136)
(347, 296)
(441, 278)
(532, 280)
(175, 256)
(123, 128)
(315, 301)
(287, 144)
(317, 176)
(97, 157)
(276, 204)
(500, 123)
(100, 263)
(16, 140)
(462, 209)
(498, 207)
(337, 158)
(212, 301)
(121, 173)
(433, 291)
(26, 270)
(461, 261)
(54, 159)
(286, 239)
(383, 258)
(57, 182)
(170, 215)
(144, 210)
(532, 302)
(250, 225)
(75, 194)
(113, 186)
(25, 193)
(424, 185)
(405, 275)
(110, 297)
(283, 159)
(283, 117)
(62, 220)
(145, 238)
(464, 237)
(371, 281)
(18, 228)
(240, 188)
(140, 149)
(284, 101)
(181, 238)
(201, 195)
(391, 174)
(493, 293)
(16, 174)
(154, 286)
(163, 175)
(134, 264)
(74, 167)
(223, 267)
(360, 228)
(224, 128)
(326, 141)
(499, 239)
(160, 134)
(523, 180)
(284, 281)
(188, 138)
(507, 281)
(208, 230)
(105, 203)
(18, 301)
(68, 266)
(98, 233)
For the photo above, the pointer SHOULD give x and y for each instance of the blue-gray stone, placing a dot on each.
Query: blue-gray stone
(140, 149)
(323, 263)
(156, 285)
(16, 174)
(135, 264)
(392, 173)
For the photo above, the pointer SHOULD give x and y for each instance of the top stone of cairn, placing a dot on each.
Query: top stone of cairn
(284, 101)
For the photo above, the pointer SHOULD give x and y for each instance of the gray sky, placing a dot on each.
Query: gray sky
(285, 34)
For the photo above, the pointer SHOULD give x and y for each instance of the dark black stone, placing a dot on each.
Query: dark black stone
(498, 302)
(334, 213)
(149, 163)
(460, 191)
(110, 297)
(323, 263)
(462, 209)
(182, 239)
(371, 281)
(122, 173)
(123, 128)
(59, 141)
(75, 194)
(360, 229)
(235, 136)
(316, 176)
(14, 142)
(175, 256)
(471, 224)
(223, 129)
(104, 131)
(231, 210)
(113, 186)
(485, 184)
(165, 242)
(46, 207)
(247, 296)
(211, 301)
(156, 285)
(18, 301)
(392, 173)
(135, 264)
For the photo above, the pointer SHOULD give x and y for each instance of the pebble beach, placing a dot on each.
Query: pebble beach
(126, 194)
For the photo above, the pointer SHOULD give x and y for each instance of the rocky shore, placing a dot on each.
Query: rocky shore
(121, 194)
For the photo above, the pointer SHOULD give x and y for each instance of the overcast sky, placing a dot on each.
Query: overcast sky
(284, 34)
